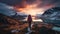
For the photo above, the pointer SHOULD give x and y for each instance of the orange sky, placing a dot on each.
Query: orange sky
(33, 9)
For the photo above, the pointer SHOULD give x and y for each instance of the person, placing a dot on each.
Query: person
(29, 20)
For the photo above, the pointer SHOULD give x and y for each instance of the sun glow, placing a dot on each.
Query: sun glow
(31, 9)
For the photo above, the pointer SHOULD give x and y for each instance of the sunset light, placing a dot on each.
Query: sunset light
(31, 9)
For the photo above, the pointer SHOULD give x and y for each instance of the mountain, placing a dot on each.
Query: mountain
(11, 23)
(19, 17)
(8, 20)
(51, 16)
(10, 11)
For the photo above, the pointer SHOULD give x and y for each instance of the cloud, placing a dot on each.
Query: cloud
(38, 4)
(7, 10)
(22, 3)
(18, 3)
(11, 2)
(48, 3)
(30, 1)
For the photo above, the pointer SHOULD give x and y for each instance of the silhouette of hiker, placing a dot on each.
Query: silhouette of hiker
(29, 20)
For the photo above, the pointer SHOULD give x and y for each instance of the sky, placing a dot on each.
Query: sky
(32, 7)
(7, 10)
(21, 3)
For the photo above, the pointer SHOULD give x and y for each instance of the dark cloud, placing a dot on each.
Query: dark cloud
(30, 1)
(13, 2)
(7, 10)
(21, 3)
(49, 2)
